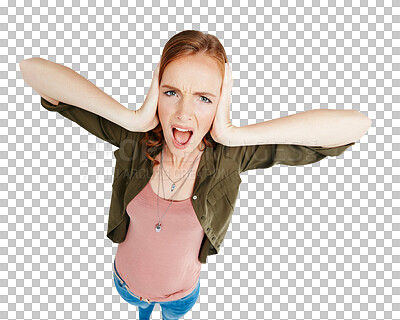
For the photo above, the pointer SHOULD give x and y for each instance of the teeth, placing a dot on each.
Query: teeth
(183, 130)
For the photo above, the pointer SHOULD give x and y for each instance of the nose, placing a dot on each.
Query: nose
(185, 108)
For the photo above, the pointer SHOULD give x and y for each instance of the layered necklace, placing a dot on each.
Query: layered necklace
(158, 225)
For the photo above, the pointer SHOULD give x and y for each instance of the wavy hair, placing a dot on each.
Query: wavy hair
(184, 43)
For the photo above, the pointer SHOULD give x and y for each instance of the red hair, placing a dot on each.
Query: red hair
(185, 43)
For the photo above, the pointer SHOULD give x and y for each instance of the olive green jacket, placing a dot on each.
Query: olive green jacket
(217, 179)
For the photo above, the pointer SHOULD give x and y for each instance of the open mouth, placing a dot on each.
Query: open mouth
(181, 137)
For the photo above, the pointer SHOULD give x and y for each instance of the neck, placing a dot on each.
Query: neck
(179, 162)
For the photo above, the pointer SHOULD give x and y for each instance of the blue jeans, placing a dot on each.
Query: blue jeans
(171, 310)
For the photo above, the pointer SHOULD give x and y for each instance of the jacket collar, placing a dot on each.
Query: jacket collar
(207, 160)
(206, 168)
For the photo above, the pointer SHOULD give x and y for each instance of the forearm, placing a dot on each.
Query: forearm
(318, 127)
(60, 83)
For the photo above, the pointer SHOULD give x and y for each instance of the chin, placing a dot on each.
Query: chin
(191, 146)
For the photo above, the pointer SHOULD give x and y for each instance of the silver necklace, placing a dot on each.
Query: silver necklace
(173, 182)
(158, 225)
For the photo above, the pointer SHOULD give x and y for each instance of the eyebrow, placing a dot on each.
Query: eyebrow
(201, 93)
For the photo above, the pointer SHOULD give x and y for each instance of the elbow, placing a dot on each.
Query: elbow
(369, 122)
(26, 62)
(360, 125)
(364, 121)
(22, 69)
(22, 64)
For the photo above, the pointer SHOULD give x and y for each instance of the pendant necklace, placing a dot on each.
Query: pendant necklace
(173, 182)
(158, 225)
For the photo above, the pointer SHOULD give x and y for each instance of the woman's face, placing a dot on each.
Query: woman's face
(189, 95)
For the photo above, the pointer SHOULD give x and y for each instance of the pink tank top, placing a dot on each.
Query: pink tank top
(160, 266)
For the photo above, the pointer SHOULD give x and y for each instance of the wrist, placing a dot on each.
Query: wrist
(226, 135)
(142, 121)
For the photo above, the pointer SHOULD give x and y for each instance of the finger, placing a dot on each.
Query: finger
(152, 94)
(157, 69)
(229, 72)
(227, 85)
(223, 87)
(155, 76)
(228, 75)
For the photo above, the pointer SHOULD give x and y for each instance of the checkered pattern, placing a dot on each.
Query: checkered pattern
(311, 242)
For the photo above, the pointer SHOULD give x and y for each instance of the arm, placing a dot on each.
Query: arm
(319, 127)
(264, 156)
(55, 83)
(102, 128)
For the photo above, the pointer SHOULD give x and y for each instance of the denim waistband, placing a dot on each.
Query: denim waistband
(124, 284)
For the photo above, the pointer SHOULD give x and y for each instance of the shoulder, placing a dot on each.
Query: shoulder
(227, 159)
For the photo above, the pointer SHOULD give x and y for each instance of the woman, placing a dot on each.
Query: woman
(179, 161)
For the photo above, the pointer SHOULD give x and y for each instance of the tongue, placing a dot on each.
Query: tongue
(182, 137)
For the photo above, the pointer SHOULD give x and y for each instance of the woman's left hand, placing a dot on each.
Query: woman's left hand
(222, 122)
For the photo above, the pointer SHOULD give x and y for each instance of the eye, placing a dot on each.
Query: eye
(206, 101)
(166, 92)
(206, 98)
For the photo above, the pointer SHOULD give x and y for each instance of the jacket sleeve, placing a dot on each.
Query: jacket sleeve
(267, 155)
(95, 124)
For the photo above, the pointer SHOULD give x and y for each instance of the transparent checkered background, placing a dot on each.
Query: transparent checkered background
(319, 241)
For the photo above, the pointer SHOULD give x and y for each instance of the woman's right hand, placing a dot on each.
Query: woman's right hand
(148, 111)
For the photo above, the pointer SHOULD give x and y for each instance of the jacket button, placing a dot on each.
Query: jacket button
(194, 197)
(213, 238)
(202, 217)
(208, 229)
